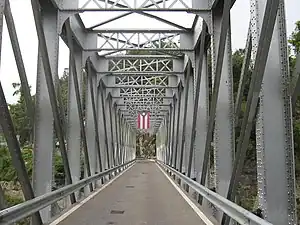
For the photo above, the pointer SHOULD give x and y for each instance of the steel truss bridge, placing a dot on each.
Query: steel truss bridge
(193, 114)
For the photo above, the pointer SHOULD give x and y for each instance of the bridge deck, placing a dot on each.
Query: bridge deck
(142, 195)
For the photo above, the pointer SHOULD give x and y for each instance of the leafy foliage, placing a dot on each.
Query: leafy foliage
(295, 38)
(145, 144)
(19, 116)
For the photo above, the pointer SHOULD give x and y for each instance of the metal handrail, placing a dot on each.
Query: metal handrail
(25, 209)
(234, 211)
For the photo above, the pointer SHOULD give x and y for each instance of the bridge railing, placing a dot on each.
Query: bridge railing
(234, 211)
(28, 208)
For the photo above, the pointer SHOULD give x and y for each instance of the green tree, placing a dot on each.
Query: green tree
(20, 117)
(64, 85)
(294, 39)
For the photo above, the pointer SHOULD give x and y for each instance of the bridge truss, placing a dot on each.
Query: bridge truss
(120, 72)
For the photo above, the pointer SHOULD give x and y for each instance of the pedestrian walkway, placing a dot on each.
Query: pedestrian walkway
(142, 195)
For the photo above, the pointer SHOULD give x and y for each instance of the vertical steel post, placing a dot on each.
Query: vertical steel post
(198, 71)
(185, 107)
(105, 131)
(46, 104)
(122, 126)
(73, 125)
(101, 131)
(84, 134)
(117, 132)
(174, 134)
(188, 125)
(216, 84)
(92, 83)
(111, 128)
(170, 129)
(274, 130)
(261, 54)
(224, 120)
(178, 125)
(90, 130)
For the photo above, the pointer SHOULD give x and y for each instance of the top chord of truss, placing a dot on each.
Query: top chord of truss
(142, 57)
(135, 30)
(138, 5)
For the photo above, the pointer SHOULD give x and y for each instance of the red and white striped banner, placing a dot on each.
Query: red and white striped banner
(143, 120)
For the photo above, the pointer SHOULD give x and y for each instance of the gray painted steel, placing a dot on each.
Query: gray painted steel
(189, 124)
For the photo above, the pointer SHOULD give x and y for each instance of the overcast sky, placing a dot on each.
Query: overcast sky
(23, 17)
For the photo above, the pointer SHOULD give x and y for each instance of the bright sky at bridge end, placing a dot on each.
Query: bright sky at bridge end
(22, 13)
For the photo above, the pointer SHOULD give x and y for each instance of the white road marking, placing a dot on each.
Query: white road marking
(79, 204)
(202, 216)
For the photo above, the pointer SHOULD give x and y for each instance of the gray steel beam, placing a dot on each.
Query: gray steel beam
(117, 130)
(101, 130)
(274, 135)
(142, 57)
(142, 97)
(189, 123)
(88, 155)
(132, 30)
(224, 141)
(135, 104)
(217, 80)
(122, 126)
(138, 48)
(108, 128)
(136, 10)
(173, 137)
(103, 96)
(156, 115)
(120, 16)
(150, 15)
(262, 50)
(178, 126)
(202, 117)
(162, 73)
(194, 117)
(46, 104)
(142, 13)
(112, 133)
(133, 44)
(73, 129)
(185, 106)
(169, 129)
(141, 86)
(92, 79)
